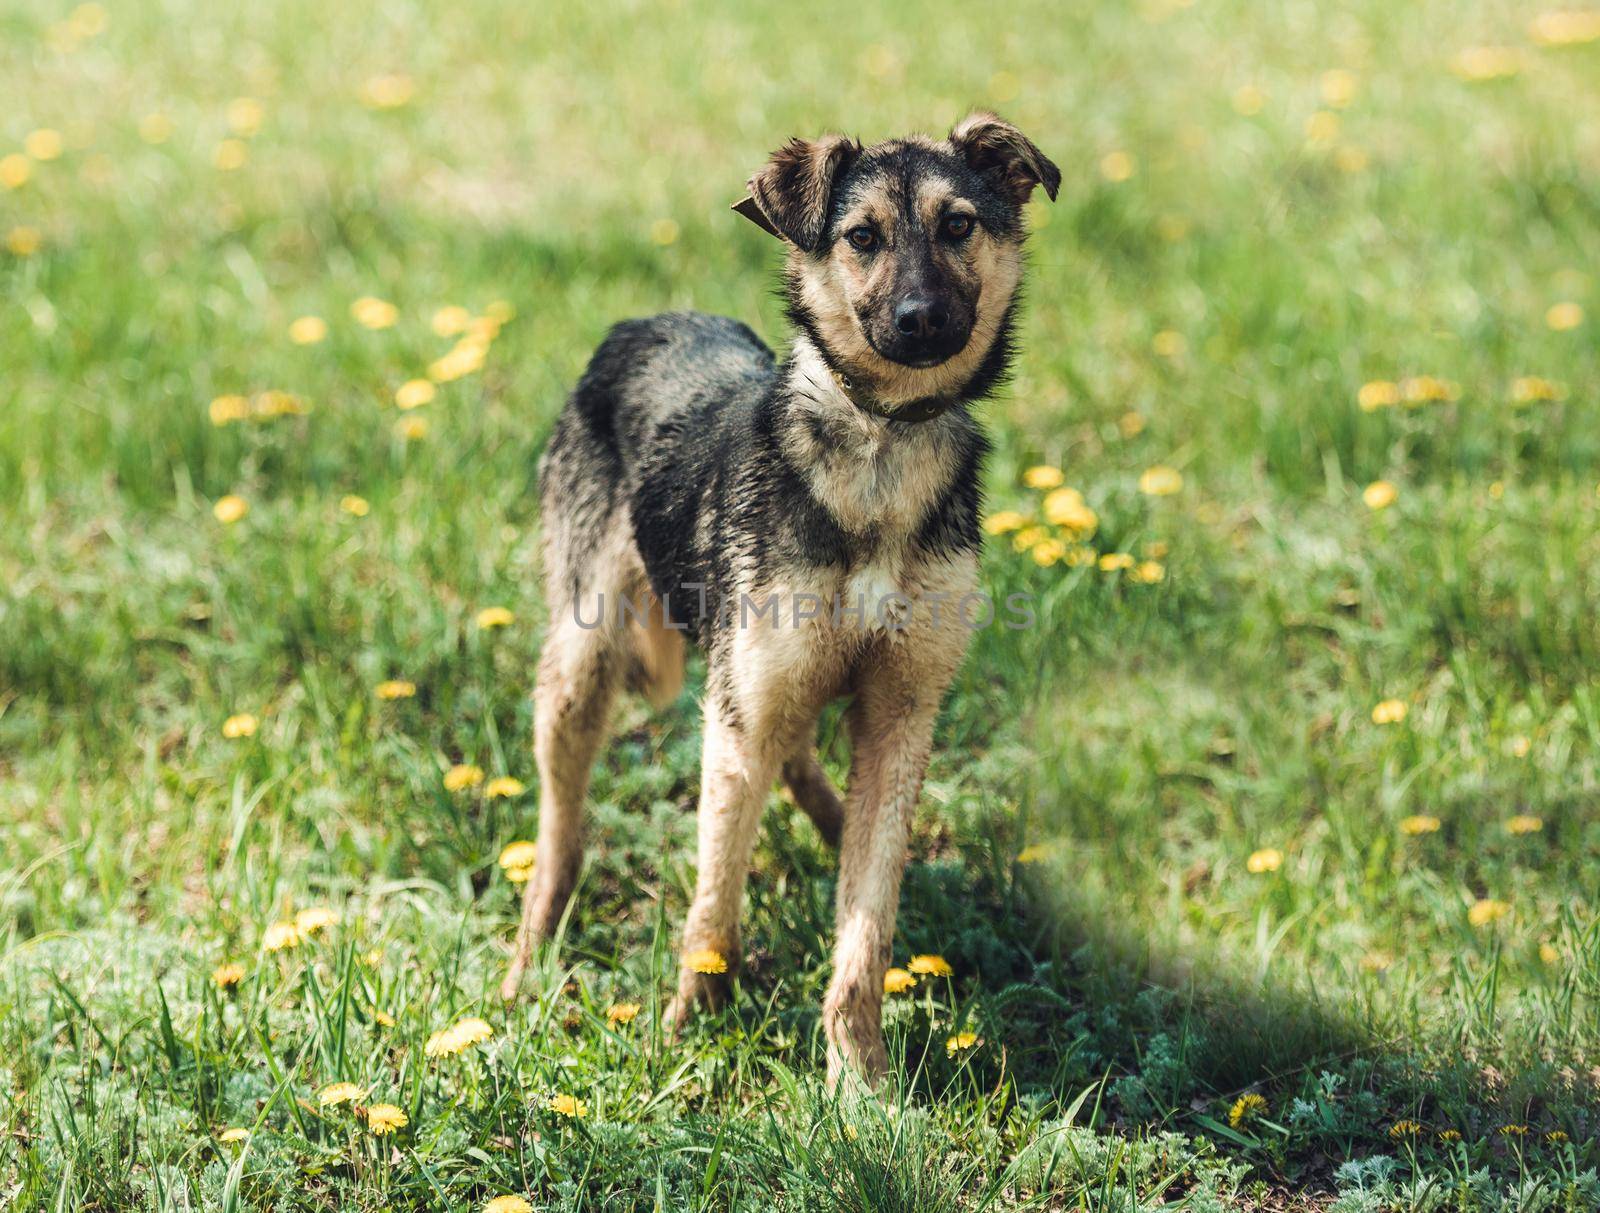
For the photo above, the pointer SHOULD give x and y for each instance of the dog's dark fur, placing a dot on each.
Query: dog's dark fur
(692, 484)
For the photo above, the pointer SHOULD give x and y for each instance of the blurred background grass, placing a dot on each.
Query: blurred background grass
(1266, 210)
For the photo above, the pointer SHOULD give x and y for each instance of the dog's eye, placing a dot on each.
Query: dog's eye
(863, 238)
(958, 227)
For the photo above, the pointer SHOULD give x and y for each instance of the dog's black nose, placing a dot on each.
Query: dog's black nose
(916, 317)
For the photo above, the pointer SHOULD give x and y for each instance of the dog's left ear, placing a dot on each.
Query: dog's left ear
(995, 148)
(789, 196)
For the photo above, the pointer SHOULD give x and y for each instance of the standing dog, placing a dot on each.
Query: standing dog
(811, 525)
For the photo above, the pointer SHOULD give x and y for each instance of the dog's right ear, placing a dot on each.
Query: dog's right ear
(789, 195)
(1005, 155)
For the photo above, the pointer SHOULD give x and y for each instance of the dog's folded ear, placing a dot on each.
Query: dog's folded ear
(789, 195)
(995, 148)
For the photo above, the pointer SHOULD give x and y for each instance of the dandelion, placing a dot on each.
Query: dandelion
(1428, 389)
(1148, 572)
(706, 960)
(1169, 343)
(43, 144)
(1113, 562)
(619, 1013)
(664, 232)
(1268, 859)
(24, 241)
(930, 965)
(1338, 87)
(457, 1038)
(1004, 522)
(1565, 28)
(1160, 481)
(229, 1137)
(1117, 167)
(281, 937)
(1564, 317)
(337, 1093)
(241, 724)
(382, 1018)
(1065, 508)
(1379, 495)
(278, 404)
(465, 357)
(308, 330)
(1528, 389)
(462, 776)
(1404, 1128)
(1249, 100)
(1549, 953)
(1130, 424)
(449, 321)
(1487, 910)
(495, 617)
(230, 508)
(411, 429)
(1378, 394)
(569, 1106)
(1389, 711)
(960, 1043)
(1479, 63)
(1419, 823)
(1556, 1137)
(155, 128)
(898, 981)
(1513, 1130)
(1449, 1135)
(15, 170)
(504, 786)
(1246, 1107)
(385, 1118)
(1048, 552)
(520, 854)
(508, 1204)
(374, 313)
(1322, 128)
(358, 507)
(226, 976)
(414, 393)
(1523, 823)
(1043, 477)
(230, 154)
(387, 92)
(313, 920)
(395, 688)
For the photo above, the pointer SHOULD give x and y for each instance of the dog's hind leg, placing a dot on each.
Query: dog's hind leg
(813, 791)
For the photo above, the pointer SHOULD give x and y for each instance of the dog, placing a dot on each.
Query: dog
(810, 525)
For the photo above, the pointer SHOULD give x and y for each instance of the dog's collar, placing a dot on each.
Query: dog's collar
(914, 411)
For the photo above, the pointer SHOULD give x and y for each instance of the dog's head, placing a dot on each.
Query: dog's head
(904, 257)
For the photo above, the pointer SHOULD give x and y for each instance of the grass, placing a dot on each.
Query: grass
(1242, 243)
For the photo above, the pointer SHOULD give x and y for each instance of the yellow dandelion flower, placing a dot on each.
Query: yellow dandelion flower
(382, 1018)
(337, 1093)
(1480, 63)
(411, 429)
(1487, 910)
(1513, 1130)
(414, 393)
(395, 688)
(230, 154)
(358, 507)
(508, 1204)
(241, 724)
(504, 786)
(1389, 711)
(1448, 1135)
(1148, 572)
(1564, 317)
(960, 1043)
(313, 920)
(387, 92)
(622, 1013)
(929, 964)
(281, 937)
(374, 313)
(458, 1037)
(1528, 389)
(308, 330)
(1428, 389)
(1048, 552)
(230, 508)
(1169, 343)
(1065, 508)
(1004, 522)
(520, 875)
(1027, 537)
(706, 960)
(1404, 1128)
(1131, 424)
(465, 357)
(1419, 823)
(898, 981)
(569, 1106)
(1568, 28)
(15, 170)
(462, 776)
(1322, 128)
(1160, 481)
(1246, 1107)
(1267, 859)
(1378, 394)
(1556, 1137)
(1114, 562)
(1523, 823)
(24, 241)
(1043, 477)
(1117, 167)
(1249, 100)
(1338, 87)
(155, 128)
(495, 617)
(664, 232)
(1379, 495)
(225, 976)
(229, 1137)
(43, 144)
(449, 321)
(385, 1118)
(278, 404)
(1549, 954)
(520, 854)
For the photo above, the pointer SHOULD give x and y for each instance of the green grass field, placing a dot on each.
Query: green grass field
(1265, 866)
